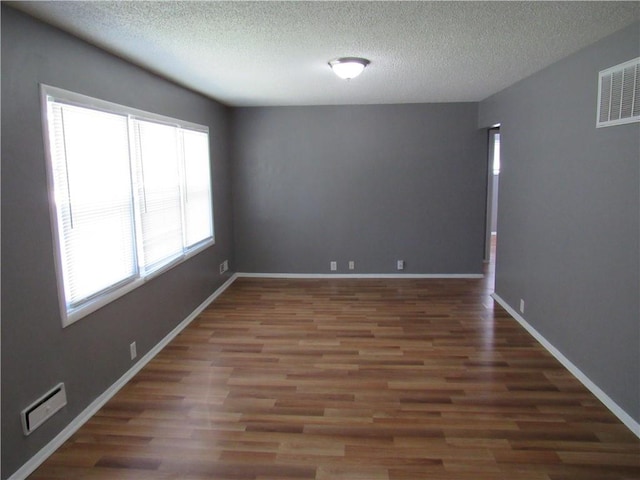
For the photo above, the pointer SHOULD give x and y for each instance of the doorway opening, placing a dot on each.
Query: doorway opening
(493, 178)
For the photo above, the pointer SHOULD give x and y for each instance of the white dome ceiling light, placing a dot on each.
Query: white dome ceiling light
(348, 67)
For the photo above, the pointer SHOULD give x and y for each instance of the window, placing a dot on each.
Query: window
(131, 196)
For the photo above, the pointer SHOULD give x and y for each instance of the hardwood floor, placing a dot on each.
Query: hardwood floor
(352, 379)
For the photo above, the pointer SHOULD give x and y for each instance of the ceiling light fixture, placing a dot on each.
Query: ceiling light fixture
(348, 67)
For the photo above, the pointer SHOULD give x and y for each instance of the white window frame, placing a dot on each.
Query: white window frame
(71, 315)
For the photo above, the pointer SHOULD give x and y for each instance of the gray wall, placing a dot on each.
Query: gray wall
(568, 214)
(373, 184)
(91, 354)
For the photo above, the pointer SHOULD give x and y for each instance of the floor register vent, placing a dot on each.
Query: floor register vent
(619, 94)
(39, 411)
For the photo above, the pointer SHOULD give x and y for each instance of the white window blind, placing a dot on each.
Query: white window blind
(131, 196)
(158, 175)
(197, 192)
(92, 183)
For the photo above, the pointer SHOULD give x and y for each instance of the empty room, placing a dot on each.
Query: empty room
(320, 240)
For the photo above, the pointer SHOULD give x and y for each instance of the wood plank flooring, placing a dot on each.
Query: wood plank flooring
(351, 379)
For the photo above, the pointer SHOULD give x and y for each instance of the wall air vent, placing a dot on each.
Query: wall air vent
(619, 94)
(35, 414)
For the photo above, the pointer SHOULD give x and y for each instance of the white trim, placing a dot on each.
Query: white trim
(34, 462)
(358, 275)
(53, 215)
(74, 98)
(623, 416)
(73, 315)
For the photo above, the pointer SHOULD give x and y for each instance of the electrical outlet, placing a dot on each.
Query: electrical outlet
(521, 306)
(400, 265)
(132, 350)
(333, 266)
(352, 265)
(224, 266)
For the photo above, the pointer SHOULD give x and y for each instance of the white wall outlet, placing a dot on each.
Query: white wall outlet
(521, 306)
(333, 266)
(224, 266)
(352, 265)
(132, 350)
(400, 265)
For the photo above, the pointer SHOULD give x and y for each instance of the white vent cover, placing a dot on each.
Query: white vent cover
(619, 94)
(35, 414)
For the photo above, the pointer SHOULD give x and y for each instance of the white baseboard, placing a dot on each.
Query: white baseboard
(359, 275)
(34, 462)
(575, 371)
(37, 460)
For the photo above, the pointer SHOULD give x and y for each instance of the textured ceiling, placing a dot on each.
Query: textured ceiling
(276, 53)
